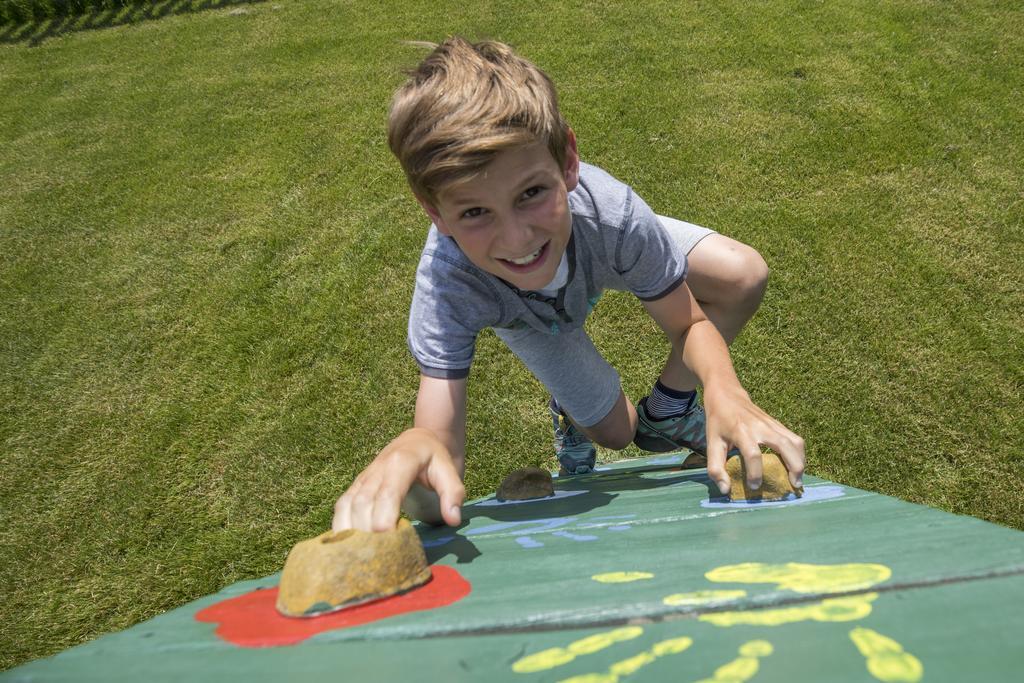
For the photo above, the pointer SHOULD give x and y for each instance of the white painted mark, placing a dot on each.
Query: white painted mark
(675, 459)
(575, 537)
(811, 495)
(494, 502)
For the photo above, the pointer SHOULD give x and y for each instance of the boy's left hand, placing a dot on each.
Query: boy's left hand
(734, 420)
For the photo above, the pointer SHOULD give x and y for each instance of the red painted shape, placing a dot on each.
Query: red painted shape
(251, 620)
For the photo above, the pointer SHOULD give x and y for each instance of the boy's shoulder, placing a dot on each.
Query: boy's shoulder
(443, 254)
(448, 273)
(603, 199)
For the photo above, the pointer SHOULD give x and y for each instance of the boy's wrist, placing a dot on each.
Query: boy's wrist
(723, 384)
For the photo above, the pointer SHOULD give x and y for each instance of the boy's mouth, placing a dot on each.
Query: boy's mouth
(528, 261)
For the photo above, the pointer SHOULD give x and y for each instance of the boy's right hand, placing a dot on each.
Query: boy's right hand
(373, 501)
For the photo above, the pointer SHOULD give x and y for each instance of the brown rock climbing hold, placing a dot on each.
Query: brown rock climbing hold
(526, 484)
(694, 461)
(345, 568)
(774, 480)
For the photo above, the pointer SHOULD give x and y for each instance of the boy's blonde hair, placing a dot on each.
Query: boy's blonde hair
(465, 103)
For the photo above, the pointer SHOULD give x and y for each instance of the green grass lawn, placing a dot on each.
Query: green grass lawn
(206, 259)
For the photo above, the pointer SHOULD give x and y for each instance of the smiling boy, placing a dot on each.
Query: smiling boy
(524, 239)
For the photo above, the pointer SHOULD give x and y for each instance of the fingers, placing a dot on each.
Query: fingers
(717, 449)
(750, 451)
(790, 448)
(748, 431)
(367, 506)
(362, 511)
(443, 477)
(356, 508)
(751, 454)
(374, 500)
(387, 505)
(346, 505)
(451, 509)
(342, 515)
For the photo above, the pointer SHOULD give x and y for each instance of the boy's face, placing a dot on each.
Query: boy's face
(512, 220)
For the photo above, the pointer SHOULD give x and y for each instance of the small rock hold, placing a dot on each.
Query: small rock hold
(526, 484)
(345, 568)
(694, 461)
(774, 480)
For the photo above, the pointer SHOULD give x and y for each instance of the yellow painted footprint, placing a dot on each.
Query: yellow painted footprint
(833, 609)
(557, 656)
(631, 665)
(744, 667)
(804, 578)
(887, 661)
(621, 577)
(702, 597)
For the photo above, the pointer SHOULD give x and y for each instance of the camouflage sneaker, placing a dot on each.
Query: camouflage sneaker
(576, 453)
(688, 430)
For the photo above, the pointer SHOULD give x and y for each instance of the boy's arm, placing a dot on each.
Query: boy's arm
(420, 470)
(732, 418)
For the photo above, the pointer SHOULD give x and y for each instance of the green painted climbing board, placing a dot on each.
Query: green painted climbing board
(633, 573)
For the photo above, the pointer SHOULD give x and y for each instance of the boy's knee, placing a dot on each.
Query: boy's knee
(752, 275)
(617, 428)
(746, 274)
(616, 441)
(759, 272)
(727, 274)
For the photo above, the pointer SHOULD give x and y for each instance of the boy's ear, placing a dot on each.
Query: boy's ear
(571, 172)
(435, 215)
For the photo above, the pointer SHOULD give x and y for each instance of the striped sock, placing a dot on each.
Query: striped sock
(665, 402)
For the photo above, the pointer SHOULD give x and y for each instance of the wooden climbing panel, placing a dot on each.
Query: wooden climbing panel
(632, 573)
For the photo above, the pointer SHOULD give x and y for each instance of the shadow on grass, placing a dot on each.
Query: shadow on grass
(36, 31)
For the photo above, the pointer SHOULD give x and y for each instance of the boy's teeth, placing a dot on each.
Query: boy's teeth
(526, 259)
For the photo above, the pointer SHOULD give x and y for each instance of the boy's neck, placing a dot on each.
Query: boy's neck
(560, 279)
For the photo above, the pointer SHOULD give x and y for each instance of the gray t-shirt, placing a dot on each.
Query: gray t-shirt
(617, 243)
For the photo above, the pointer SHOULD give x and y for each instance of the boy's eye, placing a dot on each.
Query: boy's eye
(532, 192)
(473, 213)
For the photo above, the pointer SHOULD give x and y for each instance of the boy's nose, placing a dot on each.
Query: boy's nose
(516, 233)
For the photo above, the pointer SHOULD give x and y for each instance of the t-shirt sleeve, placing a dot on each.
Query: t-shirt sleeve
(444, 319)
(650, 262)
